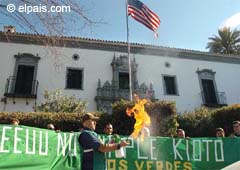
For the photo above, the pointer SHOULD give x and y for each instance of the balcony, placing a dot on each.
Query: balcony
(21, 89)
(217, 99)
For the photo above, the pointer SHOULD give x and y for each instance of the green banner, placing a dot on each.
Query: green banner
(23, 148)
(178, 154)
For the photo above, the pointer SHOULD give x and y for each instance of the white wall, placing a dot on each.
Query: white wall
(151, 69)
(51, 74)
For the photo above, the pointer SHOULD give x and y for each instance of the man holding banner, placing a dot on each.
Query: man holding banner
(93, 157)
(236, 128)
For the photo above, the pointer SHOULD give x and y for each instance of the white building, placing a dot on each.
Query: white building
(97, 71)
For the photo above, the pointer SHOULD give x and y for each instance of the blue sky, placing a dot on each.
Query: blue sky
(185, 24)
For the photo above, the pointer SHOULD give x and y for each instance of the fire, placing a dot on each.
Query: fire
(142, 118)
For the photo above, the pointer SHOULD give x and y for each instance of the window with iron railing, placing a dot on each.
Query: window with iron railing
(21, 89)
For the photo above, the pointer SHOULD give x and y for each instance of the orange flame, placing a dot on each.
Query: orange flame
(142, 118)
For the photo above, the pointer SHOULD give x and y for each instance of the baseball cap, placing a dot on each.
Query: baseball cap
(89, 116)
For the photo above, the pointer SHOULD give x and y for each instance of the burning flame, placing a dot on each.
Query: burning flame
(142, 118)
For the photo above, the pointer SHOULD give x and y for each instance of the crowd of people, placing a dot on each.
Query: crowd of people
(219, 131)
(94, 148)
(14, 121)
(180, 133)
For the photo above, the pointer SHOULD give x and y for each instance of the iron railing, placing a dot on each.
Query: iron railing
(27, 89)
(221, 99)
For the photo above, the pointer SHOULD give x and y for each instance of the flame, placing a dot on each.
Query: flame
(142, 118)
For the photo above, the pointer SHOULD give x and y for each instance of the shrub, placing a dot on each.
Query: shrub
(55, 101)
(203, 122)
(163, 117)
(197, 123)
(223, 117)
(62, 121)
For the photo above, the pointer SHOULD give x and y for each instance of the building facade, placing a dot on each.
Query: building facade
(97, 71)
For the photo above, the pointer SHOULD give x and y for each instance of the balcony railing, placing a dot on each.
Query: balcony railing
(221, 100)
(20, 90)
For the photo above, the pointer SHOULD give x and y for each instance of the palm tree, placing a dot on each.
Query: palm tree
(226, 42)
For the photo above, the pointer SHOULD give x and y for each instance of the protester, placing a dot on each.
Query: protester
(108, 129)
(15, 121)
(180, 133)
(50, 126)
(236, 129)
(220, 132)
(93, 157)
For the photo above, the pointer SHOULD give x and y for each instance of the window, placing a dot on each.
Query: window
(23, 83)
(210, 96)
(209, 91)
(123, 80)
(170, 87)
(24, 80)
(74, 78)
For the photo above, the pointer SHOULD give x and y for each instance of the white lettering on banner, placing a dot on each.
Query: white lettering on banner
(75, 144)
(131, 141)
(220, 142)
(72, 141)
(108, 139)
(22, 140)
(139, 151)
(64, 142)
(146, 149)
(198, 147)
(41, 143)
(176, 153)
(195, 149)
(69, 144)
(152, 149)
(187, 149)
(33, 144)
(4, 138)
(16, 140)
(207, 148)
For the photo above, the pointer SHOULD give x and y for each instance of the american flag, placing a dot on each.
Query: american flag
(143, 14)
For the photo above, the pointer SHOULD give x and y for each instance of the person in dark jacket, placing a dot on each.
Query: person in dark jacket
(93, 149)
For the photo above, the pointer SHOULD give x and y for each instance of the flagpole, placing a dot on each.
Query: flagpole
(129, 58)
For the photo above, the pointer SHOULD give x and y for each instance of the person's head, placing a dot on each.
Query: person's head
(220, 132)
(180, 133)
(15, 121)
(89, 121)
(236, 127)
(136, 97)
(50, 126)
(108, 129)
